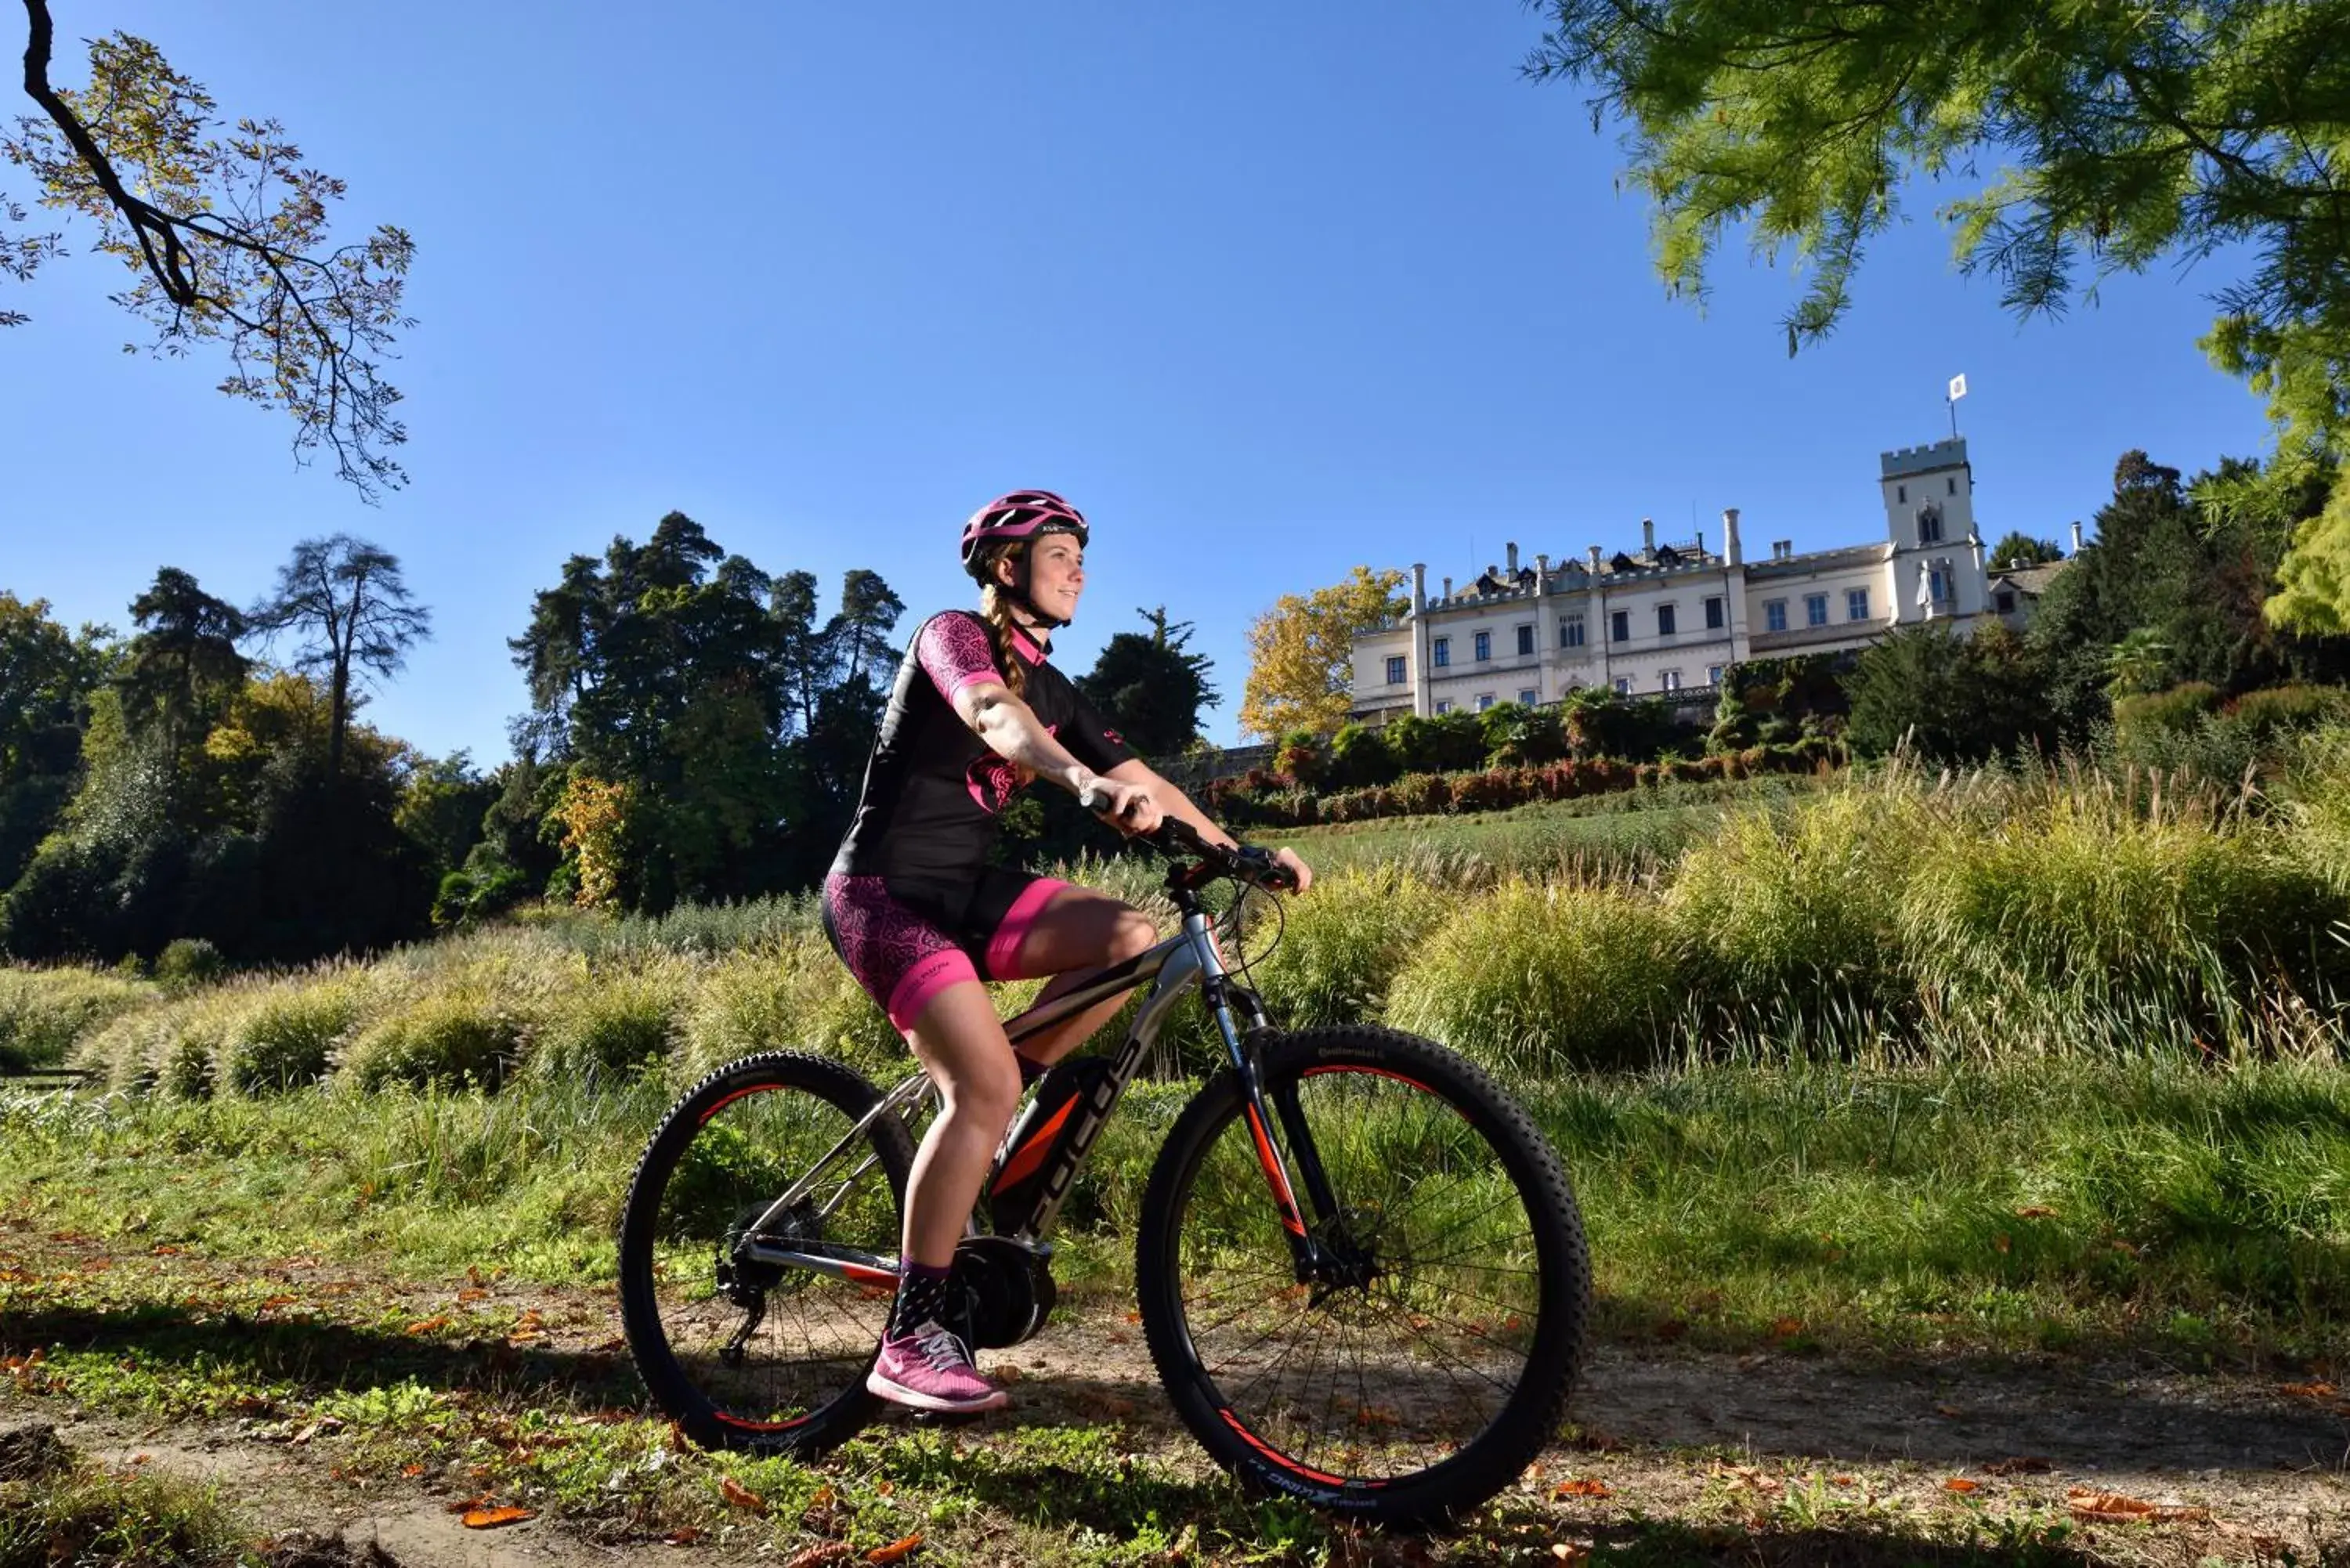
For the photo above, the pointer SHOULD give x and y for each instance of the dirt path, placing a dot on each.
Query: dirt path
(1667, 1431)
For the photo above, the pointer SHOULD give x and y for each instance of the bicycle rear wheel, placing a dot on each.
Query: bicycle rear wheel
(1427, 1357)
(743, 1351)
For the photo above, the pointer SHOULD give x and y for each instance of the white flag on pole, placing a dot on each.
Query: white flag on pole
(1924, 590)
(1957, 388)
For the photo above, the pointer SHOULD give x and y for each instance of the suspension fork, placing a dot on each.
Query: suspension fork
(1309, 1255)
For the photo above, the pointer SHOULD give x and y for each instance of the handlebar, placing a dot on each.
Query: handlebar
(1176, 837)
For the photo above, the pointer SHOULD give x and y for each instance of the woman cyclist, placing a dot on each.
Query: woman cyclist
(913, 909)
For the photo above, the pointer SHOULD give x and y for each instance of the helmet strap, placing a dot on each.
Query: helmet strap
(1018, 594)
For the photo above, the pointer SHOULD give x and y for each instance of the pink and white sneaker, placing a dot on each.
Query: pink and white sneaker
(931, 1369)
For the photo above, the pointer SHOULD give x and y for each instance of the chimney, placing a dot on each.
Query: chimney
(1730, 533)
(1700, 545)
(1514, 557)
(1448, 590)
(1649, 535)
(1419, 587)
(2077, 536)
(1542, 579)
(1594, 560)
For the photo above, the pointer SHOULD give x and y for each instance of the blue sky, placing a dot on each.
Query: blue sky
(1266, 290)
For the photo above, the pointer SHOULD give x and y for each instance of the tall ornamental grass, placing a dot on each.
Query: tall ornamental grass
(1532, 979)
(1796, 914)
(44, 1011)
(2086, 915)
(1342, 945)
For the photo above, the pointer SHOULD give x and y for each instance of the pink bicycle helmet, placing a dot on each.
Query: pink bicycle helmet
(1023, 514)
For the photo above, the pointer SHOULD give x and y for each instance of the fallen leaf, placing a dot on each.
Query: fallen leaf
(1950, 1412)
(895, 1549)
(412, 1470)
(492, 1518)
(1581, 1487)
(1961, 1483)
(428, 1325)
(1840, 1480)
(471, 1293)
(683, 1535)
(2000, 1243)
(2307, 1390)
(1787, 1326)
(1570, 1551)
(1008, 1373)
(817, 1556)
(469, 1504)
(2114, 1507)
(2035, 1212)
(740, 1496)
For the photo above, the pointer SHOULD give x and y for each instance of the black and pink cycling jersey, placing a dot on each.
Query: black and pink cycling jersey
(911, 905)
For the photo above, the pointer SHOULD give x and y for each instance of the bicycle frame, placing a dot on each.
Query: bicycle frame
(1188, 958)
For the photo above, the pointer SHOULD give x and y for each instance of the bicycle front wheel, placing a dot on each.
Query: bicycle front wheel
(754, 1320)
(1424, 1354)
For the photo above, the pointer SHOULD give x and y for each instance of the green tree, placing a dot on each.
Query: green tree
(1952, 697)
(47, 677)
(2021, 549)
(1302, 651)
(184, 661)
(1150, 686)
(345, 600)
(2123, 135)
(224, 228)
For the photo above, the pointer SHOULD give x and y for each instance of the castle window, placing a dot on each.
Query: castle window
(1929, 524)
(1440, 652)
(1529, 697)
(1525, 642)
(1484, 700)
(1620, 626)
(1395, 670)
(1816, 610)
(1855, 604)
(1484, 646)
(1570, 631)
(1666, 616)
(1775, 615)
(1713, 613)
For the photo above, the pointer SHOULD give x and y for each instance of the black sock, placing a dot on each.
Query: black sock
(921, 1298)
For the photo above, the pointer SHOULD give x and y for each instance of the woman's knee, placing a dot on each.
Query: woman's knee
(1132, 934)
(986, 1088)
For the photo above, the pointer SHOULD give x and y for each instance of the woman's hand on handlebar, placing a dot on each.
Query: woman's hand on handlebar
(1301, 875)
(1131, 809)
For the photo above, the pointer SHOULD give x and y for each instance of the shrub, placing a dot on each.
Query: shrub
(1533, 979)
(289, 1037)
(452, 1039)
(44, 1011)
(187, 963)
(2278, 711)
(1359, 756)
(2139, 722)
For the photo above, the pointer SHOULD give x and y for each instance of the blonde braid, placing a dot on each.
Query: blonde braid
(995, 609)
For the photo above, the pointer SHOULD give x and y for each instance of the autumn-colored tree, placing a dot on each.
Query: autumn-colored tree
(1301, 653)
(2122, 136)
(224, 228)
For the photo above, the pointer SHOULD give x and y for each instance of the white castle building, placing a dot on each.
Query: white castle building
(1671, 618)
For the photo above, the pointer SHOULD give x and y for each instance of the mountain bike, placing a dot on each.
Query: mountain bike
(1362, 1274)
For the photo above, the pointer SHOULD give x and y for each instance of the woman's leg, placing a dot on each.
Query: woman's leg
(960, 1041)
(1074, 930)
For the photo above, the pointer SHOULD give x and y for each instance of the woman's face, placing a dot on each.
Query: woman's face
(1057, 575)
